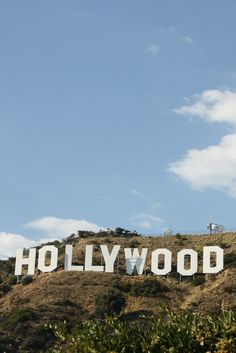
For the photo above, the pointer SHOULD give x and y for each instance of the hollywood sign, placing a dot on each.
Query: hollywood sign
(161, 260)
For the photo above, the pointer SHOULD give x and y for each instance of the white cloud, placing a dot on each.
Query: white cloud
(59, 228)
(212, 106)
(146, 221)
(153, 49)
(11, 242)
(212, 167)
(51, 228)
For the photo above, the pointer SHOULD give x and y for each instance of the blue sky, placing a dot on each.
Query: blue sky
(116, 113)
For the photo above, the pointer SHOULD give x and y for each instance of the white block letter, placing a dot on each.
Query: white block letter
(219, 254)
(135, 260)
(193, 262)
(20, 261)
(89, 260)
(109, 258)
(68, 260)
(167, 261)
(53, 260)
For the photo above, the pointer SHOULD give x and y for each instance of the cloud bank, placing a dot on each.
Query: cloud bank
(59, 228)
(213, 167)
(214, 106)
(50, 228)
(10, 242)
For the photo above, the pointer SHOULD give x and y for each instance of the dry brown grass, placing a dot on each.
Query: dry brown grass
(47, 291)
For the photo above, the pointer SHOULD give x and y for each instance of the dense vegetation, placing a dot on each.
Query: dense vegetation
(172, 333)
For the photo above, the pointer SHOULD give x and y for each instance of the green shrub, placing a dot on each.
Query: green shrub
(26, 280)
(38, 340)
(134, 243)
(199, 280)
(230, 258)
(7, 344)
(4, 288)
(179, 241)
(7, 266)
(110, 302)
(107, 241)
(19, 316)
(67, 302)
(121, 286)
(147, 288)
(12, 280)
(169, 333)
(224, 245)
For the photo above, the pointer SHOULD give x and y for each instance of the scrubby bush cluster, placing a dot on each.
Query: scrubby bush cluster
(26, 280)
(19, 316)
(4, 288)
(109, 302)
(199, 280)
(172, 333)
(147, 288)
(117, 232)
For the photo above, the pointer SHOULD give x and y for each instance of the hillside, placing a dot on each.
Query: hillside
(71, 296)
